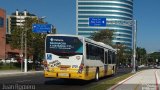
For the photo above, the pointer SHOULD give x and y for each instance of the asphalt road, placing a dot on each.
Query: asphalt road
(42, 83)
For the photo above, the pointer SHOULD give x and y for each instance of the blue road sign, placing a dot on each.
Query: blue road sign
(42, 28)
(97, 21)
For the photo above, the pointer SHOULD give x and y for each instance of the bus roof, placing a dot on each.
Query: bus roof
(64, 35)
(100, 44)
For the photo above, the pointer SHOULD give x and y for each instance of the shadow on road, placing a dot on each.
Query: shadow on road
(68, 82)
(71, 82)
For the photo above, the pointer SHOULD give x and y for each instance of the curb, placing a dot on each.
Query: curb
(123, 81)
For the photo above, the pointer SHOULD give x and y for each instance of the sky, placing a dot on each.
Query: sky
(147, 14)
(62, 14)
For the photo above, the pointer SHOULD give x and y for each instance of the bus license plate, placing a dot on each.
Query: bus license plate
(63, 74)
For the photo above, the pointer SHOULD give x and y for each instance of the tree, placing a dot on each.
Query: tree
(123, 54)
(153, 57)
(35, 42)
(141, 55)
(104, 36)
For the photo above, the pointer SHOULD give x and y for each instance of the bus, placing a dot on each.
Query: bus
(77, 57)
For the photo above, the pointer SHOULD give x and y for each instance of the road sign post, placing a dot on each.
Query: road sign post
(134, 45)
(25, 49)
(132, 23)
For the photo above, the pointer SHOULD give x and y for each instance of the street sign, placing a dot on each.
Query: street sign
(97, 21)
(42, 28)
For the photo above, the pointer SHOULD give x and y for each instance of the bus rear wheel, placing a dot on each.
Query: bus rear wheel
(113, 71)
(97, 75)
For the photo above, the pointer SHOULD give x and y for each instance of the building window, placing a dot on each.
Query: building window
(1, 22)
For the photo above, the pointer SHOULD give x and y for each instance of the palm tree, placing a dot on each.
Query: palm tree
(141, 55)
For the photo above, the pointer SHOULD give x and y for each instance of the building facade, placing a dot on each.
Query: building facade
(2, 33)
(17, 19)
(110, 10)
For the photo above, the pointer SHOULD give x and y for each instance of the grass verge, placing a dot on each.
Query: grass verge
(109, 83)
(8, 67)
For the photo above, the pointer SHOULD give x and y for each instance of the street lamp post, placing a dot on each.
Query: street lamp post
(21, 54)
(41, 18)
(25, 65)
(25, 57)
(134, 45)
(132, 23)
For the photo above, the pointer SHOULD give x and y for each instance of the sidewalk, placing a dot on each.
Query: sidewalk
(143, 80)
(5, 73)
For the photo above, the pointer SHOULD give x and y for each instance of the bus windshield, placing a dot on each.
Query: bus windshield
(64, 45)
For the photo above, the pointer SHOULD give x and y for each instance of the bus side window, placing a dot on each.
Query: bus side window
(113, 57)
(106, 57)
(87, 51)
(90, 52)
(94, 52)
(109, 57)
(101, 54)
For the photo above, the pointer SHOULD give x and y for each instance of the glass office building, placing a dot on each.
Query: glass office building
(111, 10)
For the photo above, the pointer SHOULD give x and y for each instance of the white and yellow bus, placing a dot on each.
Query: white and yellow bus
(77, 57)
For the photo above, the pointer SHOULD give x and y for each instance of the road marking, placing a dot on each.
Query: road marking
(140, 82)
(136, 88)
(158, 77)
(157, 80)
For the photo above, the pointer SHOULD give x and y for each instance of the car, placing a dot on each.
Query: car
(151, 66)
(158, 67)
(141, 66)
